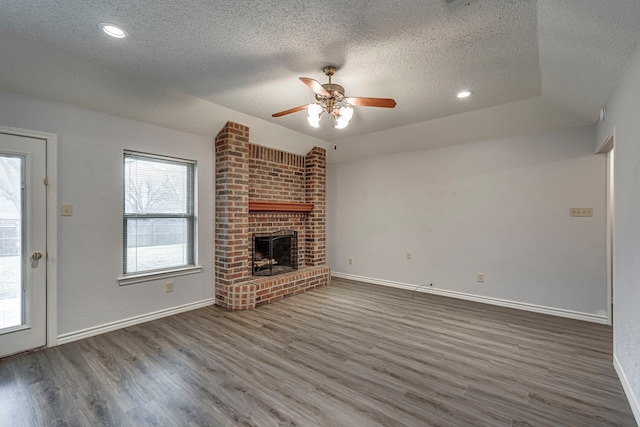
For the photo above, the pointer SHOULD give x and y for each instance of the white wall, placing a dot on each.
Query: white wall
(90, 147)
(498, 207)
(623, 112)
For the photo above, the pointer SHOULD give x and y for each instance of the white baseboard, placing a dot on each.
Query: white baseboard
(119, 324)
(477, 298)
(628, 391)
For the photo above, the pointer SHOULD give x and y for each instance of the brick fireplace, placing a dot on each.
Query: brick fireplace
(264, 190)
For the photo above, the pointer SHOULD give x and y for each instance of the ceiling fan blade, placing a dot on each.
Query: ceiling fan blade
(292, 110)
(372, 102)
(315, 86)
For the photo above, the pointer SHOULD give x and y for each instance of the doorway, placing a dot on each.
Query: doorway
(608, 148)
(23, 242)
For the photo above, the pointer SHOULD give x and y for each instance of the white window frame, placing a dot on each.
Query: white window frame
(191, 216)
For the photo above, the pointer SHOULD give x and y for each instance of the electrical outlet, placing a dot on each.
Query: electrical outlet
(350, 261)
(409, 255)
(581, 212)
(169, 287)
(480, 277)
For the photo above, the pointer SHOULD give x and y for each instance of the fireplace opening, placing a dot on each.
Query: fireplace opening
(275, 253)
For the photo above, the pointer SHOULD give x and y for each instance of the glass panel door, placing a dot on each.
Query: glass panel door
(23, 243)
(12, 267)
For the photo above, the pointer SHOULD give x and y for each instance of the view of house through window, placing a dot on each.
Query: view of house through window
(159, 217)
(11, 234)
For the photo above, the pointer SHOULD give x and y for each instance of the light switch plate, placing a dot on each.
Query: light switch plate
(67, 209)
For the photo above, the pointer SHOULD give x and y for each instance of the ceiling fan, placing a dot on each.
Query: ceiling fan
(331, 100)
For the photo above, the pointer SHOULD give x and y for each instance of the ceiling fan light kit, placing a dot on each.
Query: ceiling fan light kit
(331, 100)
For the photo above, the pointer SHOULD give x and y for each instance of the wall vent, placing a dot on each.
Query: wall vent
(457, 3)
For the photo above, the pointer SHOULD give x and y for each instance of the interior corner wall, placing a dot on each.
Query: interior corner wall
(623, 110)
(498, 207)
(90, 150)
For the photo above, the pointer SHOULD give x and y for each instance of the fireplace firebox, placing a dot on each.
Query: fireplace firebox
(275, 253)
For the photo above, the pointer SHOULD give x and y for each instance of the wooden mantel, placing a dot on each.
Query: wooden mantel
(280, 207)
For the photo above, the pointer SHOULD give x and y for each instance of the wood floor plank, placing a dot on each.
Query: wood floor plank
(349, 354)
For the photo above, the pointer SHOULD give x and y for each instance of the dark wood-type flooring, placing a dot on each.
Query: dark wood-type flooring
(345, 355)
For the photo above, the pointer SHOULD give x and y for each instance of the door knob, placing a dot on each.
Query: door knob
(36, 255)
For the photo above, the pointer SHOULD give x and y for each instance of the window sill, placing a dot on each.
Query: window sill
(157, 275)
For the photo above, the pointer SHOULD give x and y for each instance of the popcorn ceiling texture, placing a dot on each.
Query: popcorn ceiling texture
(247, 56)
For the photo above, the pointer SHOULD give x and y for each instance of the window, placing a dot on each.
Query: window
(159, 217)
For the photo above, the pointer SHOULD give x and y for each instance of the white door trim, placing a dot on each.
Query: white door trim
(52, 225)
(607, 147)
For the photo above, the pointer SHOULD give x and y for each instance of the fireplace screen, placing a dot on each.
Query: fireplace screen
(275, 253)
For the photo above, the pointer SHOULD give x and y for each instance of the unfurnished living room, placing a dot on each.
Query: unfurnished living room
(319, 213)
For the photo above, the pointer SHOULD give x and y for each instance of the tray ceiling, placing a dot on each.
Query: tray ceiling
(247, 56)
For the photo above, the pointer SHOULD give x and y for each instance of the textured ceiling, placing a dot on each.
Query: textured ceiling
(204, 56)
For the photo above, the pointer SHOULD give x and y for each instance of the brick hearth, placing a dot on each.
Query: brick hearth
(286, 192)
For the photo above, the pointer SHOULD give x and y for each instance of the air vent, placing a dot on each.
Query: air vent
(457, 3)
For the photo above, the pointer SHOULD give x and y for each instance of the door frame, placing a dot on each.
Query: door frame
(607, 147)
(51, 141)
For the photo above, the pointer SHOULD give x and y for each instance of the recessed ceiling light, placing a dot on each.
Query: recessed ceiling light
(112, 30)
(464, 94)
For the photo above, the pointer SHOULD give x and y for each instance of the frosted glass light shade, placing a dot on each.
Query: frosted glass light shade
(344, 116)
(314, 110)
